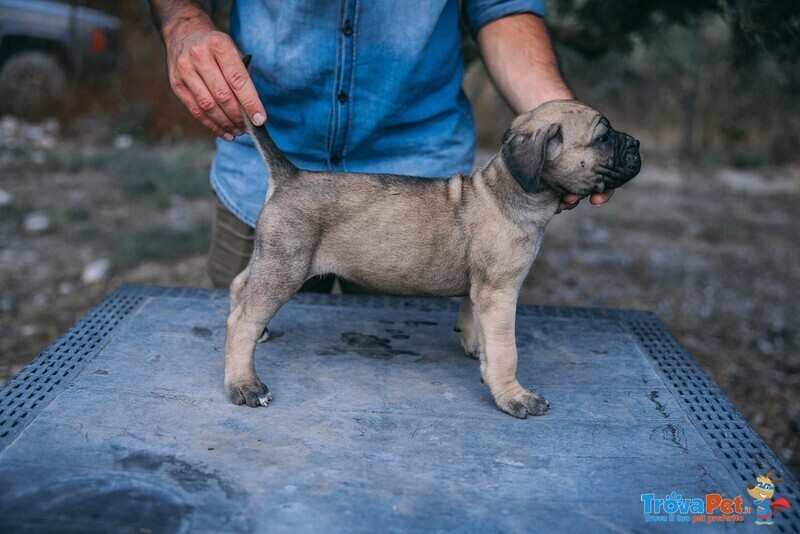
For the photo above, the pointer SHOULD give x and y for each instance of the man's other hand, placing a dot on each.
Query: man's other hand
(207, 74)
(570, 201)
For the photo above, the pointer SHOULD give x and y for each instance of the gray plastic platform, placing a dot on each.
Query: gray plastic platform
(379, 423)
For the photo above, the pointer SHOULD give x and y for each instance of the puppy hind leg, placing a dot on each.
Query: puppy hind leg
(238, 285)
(268, 288)
(495, 312)
(468, 327)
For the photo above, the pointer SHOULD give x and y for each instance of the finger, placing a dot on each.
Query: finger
(207, 103)
(569, 201)
(222, 93)
(564, 206)
(239, 80)
(571, 198)
(598, 199)
(197, 112)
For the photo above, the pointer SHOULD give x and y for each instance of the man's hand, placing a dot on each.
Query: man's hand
(206, 70)
(520, 59)
(570, 201)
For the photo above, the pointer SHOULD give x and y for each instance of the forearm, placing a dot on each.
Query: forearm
(520, 59)
(169, 14)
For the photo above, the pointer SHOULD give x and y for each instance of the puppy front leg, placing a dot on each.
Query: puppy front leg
(495, 311)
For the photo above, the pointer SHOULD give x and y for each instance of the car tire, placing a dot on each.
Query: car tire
(32, 84)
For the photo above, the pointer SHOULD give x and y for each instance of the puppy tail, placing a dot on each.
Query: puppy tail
(279, 166)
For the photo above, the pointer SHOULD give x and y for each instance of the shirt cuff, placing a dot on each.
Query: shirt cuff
(479, 13)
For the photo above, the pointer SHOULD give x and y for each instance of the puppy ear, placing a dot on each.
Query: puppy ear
(525, 155)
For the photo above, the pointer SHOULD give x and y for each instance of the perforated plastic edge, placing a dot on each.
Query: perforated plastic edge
(27, 393)
(39, 382)
(716, 419)
(714, 416)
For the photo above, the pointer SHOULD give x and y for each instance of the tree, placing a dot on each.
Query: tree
(594, 27)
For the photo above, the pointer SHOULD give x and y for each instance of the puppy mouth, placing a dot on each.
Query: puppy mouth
(625, 164)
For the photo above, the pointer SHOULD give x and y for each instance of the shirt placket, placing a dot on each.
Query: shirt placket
(342, 88)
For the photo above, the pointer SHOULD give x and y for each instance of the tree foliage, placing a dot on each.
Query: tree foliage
(771, 26)
(594, 27)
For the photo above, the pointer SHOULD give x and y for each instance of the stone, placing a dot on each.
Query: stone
(37, 222)
(6, 198)
(123, 142)
(96, 271)
(9, 125)
(29, 330)
(65, 288)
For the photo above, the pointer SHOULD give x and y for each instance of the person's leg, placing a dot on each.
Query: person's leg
(231, 248)
(351, 288)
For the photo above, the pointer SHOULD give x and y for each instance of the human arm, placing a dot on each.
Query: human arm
(205, 68)
(521, 62)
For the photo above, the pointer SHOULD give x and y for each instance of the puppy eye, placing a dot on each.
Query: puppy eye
(602, 139)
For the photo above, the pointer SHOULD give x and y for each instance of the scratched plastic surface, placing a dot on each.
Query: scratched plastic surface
(378, 423)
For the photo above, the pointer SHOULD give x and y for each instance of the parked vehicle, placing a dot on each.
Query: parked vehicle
(47, 48)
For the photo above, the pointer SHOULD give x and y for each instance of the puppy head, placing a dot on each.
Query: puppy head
(569, 147)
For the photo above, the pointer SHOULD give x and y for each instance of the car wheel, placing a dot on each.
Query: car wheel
(32, 84)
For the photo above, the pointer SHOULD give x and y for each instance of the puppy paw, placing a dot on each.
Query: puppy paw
(472, 351)
(254, 394)
(523, 404)
(469, 340)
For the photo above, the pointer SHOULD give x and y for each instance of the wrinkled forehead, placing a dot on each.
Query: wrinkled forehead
(559, 112)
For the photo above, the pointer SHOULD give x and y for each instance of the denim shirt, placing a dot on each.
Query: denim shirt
(357, 86)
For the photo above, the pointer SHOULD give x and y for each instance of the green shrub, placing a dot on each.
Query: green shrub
(158, 243)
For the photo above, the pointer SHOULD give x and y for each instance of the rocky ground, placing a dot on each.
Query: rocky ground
(714, 253)
(83, 214)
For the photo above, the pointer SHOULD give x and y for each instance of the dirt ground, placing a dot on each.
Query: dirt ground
(714, 253)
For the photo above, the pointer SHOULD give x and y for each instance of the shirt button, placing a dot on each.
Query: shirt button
(342, 97)
(335, 160)
(347, 30)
